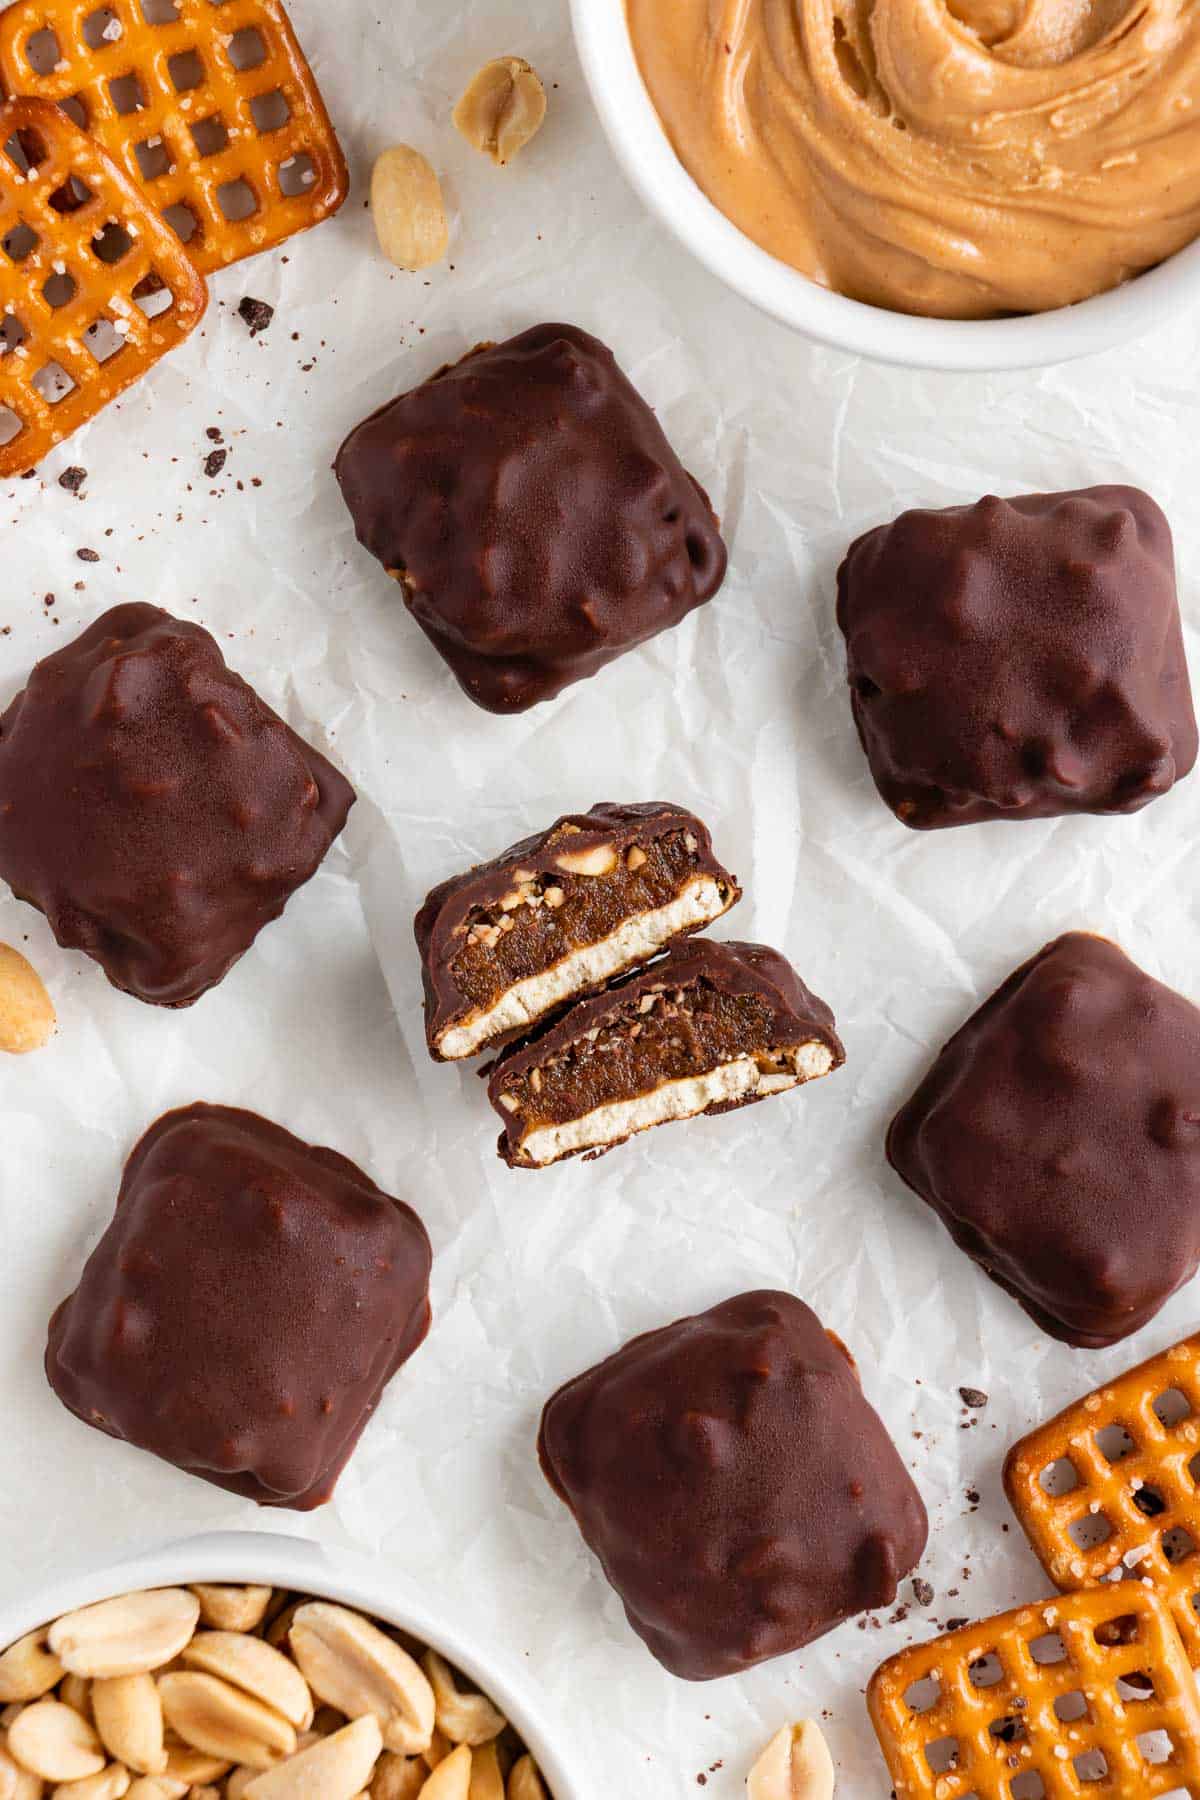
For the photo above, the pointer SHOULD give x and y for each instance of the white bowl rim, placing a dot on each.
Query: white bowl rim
(644, 151)
(327, 1572)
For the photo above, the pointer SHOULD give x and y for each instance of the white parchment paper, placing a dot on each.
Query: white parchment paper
(741, 714)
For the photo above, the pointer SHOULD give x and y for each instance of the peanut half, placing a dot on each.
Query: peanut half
(131, 1635)
(128, 1715)
(232, 1608)
(27, 1016)
(221, 1721)
(260, 1671)
(796, 1765)
(451, 1780)
(28, 1669)
(525, 1783)
(335, 1768)
(408, 209)
(503, 109)
(465, 1718)
(51, 1740)
(349, 1663)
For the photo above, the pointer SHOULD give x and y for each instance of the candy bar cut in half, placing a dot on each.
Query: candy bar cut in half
(560, 914)
(706, 1028)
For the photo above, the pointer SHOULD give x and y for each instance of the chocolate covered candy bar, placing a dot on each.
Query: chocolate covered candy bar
(246, 1307)
(558, 915)
(706, 1028)
(537, 520)
(1019, 659)
(1057, 1137)
(739, 1490)
(154, 808)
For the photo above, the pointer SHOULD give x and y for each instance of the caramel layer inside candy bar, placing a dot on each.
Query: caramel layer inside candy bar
(667, 1055)
(558, 935)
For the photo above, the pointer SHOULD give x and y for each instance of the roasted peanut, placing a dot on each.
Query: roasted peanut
(27, 1017)
(796, 1765)
(465, 1718)
(130, 1635)
(350, 1664)
(232, 1608)
(128, 1716)
(503, 109)
(408, 209)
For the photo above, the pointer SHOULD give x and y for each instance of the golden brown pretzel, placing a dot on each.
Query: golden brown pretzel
(1123, 1460)
(84, 261)
(1086, 1694)
(212, 110)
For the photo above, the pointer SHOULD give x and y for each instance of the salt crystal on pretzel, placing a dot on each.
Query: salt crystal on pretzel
(94, 288)
(209, 105)
(1045, 1701)
(1111, 1484)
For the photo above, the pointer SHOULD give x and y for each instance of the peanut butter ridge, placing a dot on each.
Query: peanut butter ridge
(954, 158)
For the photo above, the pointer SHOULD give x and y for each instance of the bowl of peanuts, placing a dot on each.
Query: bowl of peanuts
(250, 1666)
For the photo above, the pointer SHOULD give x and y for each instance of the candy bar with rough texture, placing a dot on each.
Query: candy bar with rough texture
(245, 1309)
(154, 808)
(740, 1492)
(707, 1028)
(537, 520)
(560, 914)
(1019, 659)
(1057, 1137)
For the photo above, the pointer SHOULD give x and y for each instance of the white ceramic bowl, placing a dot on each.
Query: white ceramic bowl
(262, 1557)
(645, 153)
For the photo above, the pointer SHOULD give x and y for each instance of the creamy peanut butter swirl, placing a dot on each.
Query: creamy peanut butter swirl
(958, 158)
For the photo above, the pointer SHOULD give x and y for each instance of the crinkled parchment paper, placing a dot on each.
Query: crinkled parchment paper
(740, 714)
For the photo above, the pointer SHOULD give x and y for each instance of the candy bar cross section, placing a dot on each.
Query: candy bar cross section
(705, 1029)
(1019, 659)
(247, 1306)
(536, 519)
(740, 1492)
(558, 915)
(154, 808)
(1057, 1137)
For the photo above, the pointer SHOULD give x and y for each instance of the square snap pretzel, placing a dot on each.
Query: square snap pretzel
(83, 261)
(1124, 1493)
(1088, 1694)
(212, 110)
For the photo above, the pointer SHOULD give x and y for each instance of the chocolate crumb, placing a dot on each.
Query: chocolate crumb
(88, 555)
(956, 1624)
(922, 1591)
(72, 479)
(973, 1397)
(214, 462)
(256, 314)
(214, 434)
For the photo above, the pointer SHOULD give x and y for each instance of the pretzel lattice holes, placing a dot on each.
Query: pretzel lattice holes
(94, 288)
(1111, 1487)
(209, 105)
(1088, 1695)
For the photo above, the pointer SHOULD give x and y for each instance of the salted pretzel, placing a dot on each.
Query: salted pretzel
(94, 288)
(1092, 1688)
(1111, 1484)
(208, 104)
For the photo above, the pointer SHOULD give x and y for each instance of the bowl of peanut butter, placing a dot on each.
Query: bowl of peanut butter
(955, 184)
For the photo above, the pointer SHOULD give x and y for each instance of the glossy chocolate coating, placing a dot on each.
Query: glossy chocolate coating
(439, 923)
(793, 1015)
(245, 1309)
(740, 1492)
(154, 808)
(537, 517)
(1057, 1137)
(1019, 659)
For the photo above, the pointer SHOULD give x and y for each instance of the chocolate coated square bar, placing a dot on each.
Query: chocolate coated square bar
(740, 1492)
(1019, 659)
(154, 808)
(245, 1309)
(1057, 1137)
(558, 915)
(707, 1028)
(534, 514)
